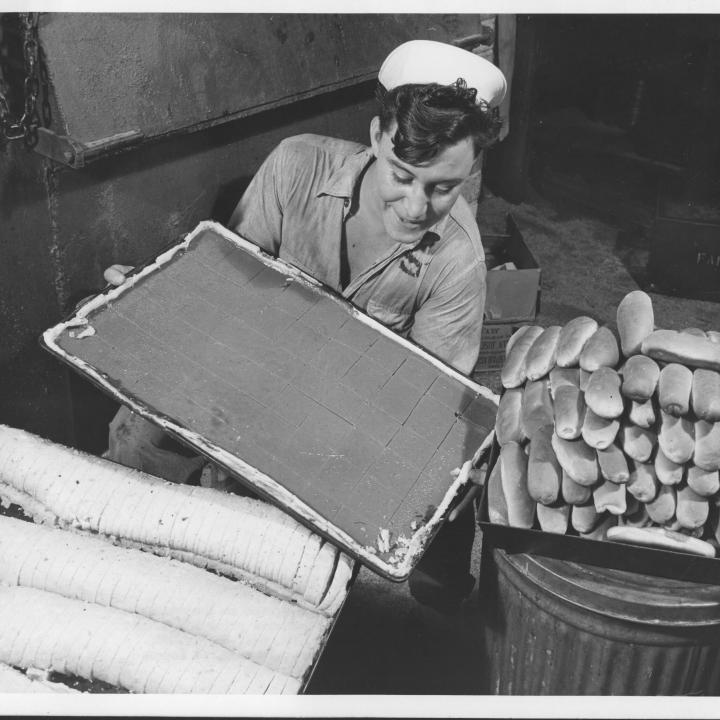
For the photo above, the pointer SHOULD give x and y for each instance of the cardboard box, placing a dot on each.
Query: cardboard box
(513, 296)
(685, 258)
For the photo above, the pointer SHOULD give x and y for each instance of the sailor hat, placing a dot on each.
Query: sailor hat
(420, 62)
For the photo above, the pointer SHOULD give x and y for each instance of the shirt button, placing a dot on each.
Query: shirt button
(346, 202)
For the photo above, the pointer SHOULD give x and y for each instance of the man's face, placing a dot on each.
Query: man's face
(412, 198)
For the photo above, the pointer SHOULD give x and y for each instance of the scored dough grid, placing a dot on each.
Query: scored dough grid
(358, 427)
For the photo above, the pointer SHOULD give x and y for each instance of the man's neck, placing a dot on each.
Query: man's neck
(367, 202)
(365, 237)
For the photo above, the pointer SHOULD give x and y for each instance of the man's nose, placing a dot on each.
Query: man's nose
(416, 202)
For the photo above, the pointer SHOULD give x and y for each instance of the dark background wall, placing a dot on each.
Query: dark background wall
(616, 94)
(631, 100)
(207, 97)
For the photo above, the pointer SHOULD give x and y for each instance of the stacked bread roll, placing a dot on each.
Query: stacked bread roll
(611, 432)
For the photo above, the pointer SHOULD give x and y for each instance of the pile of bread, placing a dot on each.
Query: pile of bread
(611, 435)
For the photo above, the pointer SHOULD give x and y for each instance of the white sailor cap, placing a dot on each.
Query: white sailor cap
(428, 61)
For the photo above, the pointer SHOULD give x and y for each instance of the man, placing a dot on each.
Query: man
(385, 226)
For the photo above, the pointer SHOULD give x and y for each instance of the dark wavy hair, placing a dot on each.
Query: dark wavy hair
(431, 117)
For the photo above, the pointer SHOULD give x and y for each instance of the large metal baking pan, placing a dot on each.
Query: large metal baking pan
(317, 407)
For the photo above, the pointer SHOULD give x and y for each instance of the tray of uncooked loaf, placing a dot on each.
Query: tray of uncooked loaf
(350, 428)
(608, 445)
(123, 581)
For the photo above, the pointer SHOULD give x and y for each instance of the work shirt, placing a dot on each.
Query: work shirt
(433, 293)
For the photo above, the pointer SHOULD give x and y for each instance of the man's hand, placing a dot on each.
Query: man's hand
(115, 274)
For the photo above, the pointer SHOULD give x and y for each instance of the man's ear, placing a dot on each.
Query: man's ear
(478, 162)
(375, 134)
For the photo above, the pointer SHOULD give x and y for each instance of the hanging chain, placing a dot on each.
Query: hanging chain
(45, 88)
(5, 122)
(7, 127)
(31, 118)
(27, 126)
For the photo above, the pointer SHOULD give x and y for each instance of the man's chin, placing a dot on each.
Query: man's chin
(406, 235)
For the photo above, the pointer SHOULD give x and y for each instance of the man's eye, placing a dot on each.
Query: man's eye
(402, 179)
(444, 190)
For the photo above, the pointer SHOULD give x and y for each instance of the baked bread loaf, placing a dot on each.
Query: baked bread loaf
(613, 464)
(692, 509)
(573, 493)
(676, 437)
(703, 482)
(643, 482)
(674, 346)
(559, 377)
(661, 538)
(662, 509)
(513, 371)
(642, 413)
(635, 321)
(637, 443)
(537, 409)
(674, 388)
(601, 350)
(572, 339)
(544, 475)
(553, 518)
(640, 375)
(598, 432)
(706, 394)
(667, 471)
(577, 459)
(497, 507)
(508, 422)
(707, 445)
(585, 518)
(513, 473)
(602, 394)
(610, 497)
(569, 411)
(540, 358)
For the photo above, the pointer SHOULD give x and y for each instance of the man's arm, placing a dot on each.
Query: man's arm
(258, 216)
(449, 323)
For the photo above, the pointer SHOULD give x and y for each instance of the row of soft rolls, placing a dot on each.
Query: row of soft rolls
(611, 433)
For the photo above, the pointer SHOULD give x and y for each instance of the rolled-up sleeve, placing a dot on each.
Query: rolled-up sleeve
(449, 323)
(258, 216)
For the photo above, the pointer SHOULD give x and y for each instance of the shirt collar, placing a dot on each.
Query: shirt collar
(342, 181)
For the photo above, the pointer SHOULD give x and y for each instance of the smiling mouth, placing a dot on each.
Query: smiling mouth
(410, 223)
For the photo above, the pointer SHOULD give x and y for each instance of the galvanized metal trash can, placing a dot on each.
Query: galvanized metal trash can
(552, 627)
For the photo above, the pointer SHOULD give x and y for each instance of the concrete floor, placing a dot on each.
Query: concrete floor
(384, 641)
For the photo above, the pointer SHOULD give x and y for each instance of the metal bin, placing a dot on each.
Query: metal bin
(552, 627)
